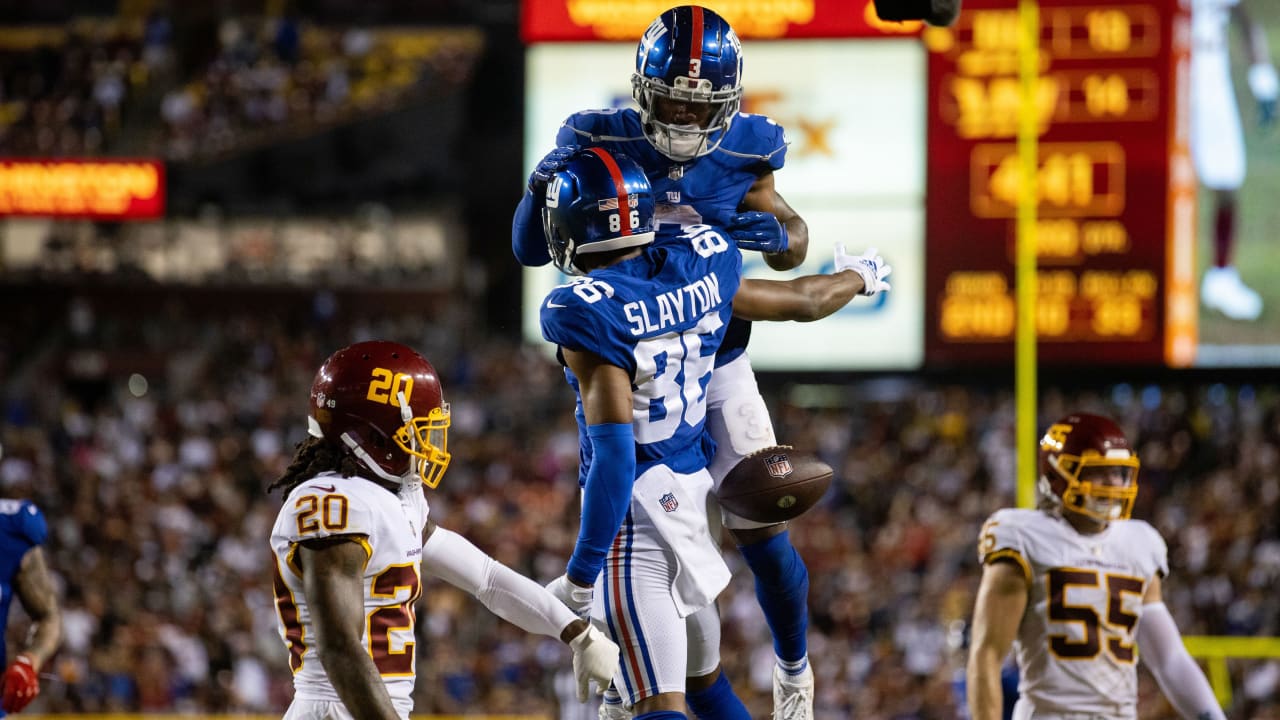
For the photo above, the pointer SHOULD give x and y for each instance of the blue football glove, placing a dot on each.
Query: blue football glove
(549, 165)
(757, 230)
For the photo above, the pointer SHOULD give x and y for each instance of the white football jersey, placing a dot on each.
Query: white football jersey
(389, 526)
(1075, 646)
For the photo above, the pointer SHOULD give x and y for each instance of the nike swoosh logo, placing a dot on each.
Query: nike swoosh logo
(322, 488)
(552, 305)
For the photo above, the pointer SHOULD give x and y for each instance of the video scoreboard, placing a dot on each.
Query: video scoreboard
(904, 137)
(1114, 188)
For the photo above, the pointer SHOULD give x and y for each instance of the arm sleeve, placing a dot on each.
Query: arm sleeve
(1161, 650)
(527, 241)
(508, 594)
(606, 497)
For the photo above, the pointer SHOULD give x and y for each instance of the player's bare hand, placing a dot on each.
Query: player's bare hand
(756, 230)
(595, 660)
(20, 685)
(870, 267)
(576, 597)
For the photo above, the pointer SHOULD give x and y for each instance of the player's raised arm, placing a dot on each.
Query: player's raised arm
(813, 297)
(333, 571)
(1002, 599)
(35, 591)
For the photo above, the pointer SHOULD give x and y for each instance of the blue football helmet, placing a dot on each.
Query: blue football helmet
(595, 203)
(689, 55)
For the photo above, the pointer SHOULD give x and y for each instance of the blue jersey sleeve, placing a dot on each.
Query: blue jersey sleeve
(31, 524)
(566, 135)
(764, 138)
(528, 242)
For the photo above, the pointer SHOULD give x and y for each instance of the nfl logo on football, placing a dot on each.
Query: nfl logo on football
(779, 466)
(669, 502)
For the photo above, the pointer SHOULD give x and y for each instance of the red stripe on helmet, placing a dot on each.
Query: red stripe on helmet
(695, 49)
(619, 185)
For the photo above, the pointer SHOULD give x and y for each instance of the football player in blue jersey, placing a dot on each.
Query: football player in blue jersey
(639, 334)
(709, 163)
(23, 573)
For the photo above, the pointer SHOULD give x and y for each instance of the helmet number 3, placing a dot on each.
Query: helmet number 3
(615, 221)
(385, 387)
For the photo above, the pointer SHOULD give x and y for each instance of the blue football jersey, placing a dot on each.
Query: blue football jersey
(22, 527)
(661, 317)
(712, 185)
(709, 189)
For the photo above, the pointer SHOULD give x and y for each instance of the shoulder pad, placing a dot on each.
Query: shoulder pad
(329, 506)
(758, 136)
(567, 318)
(1153, 545)
(1003, 537)
(592, 127)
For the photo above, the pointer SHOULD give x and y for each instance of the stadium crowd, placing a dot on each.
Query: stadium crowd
(118, 86)
(153, 482)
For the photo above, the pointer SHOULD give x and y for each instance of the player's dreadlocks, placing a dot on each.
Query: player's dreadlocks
(312, 457)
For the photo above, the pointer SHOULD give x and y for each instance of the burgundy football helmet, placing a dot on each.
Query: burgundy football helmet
(382, 402)
(1087, 467)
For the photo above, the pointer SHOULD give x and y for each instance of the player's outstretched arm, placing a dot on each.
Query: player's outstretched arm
(1161, 650)
(521, 602)
(764, 197)
(35, 591)
(333, 571)
(1002, 598)
(803, 299)
(813, 297)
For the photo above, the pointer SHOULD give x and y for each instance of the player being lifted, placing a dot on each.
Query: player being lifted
(708, 163)
(354, 534)
(638, 335)
(1074, 586)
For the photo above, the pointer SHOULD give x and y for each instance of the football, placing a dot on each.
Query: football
(774, 485)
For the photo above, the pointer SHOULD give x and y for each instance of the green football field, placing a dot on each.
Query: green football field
(1257, 252)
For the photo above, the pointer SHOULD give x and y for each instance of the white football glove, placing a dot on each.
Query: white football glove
(573, 595)
(870, 267)
(595, 659)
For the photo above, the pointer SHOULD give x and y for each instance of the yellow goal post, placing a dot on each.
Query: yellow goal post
(1215, 650)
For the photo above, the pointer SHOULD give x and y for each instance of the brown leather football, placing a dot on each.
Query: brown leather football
(774, 484)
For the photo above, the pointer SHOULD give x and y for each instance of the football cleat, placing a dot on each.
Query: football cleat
(1222, 290)
(792, 694)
